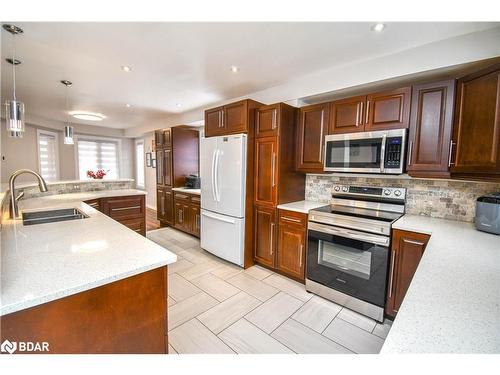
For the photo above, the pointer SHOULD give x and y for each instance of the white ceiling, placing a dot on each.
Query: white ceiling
(187, 63)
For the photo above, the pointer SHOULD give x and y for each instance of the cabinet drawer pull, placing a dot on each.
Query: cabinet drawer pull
(125, 208)
(181, 196)
(393, 256)
(413, 242)
(291, 219)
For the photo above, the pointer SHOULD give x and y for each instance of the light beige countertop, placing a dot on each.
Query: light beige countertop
(301, 206)
(187, 190)
(453, 302)
(45, 262)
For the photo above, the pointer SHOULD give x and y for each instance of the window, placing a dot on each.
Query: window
(48, 155)
(139, 163)
(96, 153)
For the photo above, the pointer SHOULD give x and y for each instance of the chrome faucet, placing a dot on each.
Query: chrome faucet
(14, 209)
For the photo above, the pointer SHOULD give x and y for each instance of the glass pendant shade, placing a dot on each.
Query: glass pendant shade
(68, 135)
(14, 116)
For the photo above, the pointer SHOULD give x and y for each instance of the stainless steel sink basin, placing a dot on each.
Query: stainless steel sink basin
(51, 216)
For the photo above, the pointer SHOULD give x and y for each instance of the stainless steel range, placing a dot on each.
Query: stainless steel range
(348, 247)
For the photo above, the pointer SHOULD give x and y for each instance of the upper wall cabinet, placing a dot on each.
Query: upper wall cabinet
(431, 124)
(476, 132)
(348, 115)
(232, 118)
(388, 110)
(311, 130)
(266, 120)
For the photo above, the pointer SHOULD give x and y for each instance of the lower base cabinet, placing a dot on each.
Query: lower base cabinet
(406, 252)
(280, 241)
(128, 210)
(187, 213)
(165, 205)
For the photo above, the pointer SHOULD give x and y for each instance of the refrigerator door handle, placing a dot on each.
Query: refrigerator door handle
(213, 175)
(216, 177)
(218, 218)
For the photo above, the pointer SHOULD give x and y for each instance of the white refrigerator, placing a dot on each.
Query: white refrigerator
(223, 176)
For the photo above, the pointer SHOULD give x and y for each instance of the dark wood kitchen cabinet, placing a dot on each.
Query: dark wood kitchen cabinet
(388, 110)
(406, 251)
(266, 120)
(233, 118)
(347, 115)
(177, 155)
(292, 235)
(187, 212)
(431, 124)
(266, 171)
(265, 235)
(312, 127)
(128, 210)
(476, 130)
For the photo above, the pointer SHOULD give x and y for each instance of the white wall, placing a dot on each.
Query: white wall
(149, 173)
(20, 153)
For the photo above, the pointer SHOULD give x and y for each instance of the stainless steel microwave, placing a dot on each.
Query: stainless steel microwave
(367, 152)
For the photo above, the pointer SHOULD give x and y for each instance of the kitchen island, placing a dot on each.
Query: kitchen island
(84, 286)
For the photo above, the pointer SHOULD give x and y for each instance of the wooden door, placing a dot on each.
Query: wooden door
(347, 115)
(167, 167)
(430, 129)
(159, 167)
(388, 110)
(213, 121)
(313, 125)
(194, 217)
(234, 119)
(407, 250)
(265, 235)
(477, 124)
(291, 250)
(266, 120)
(266, 170)
(168, 206)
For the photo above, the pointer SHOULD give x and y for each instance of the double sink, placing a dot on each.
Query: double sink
(51, 216)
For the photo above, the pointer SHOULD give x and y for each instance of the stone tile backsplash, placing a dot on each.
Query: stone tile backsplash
(447, 199)
(77, 187)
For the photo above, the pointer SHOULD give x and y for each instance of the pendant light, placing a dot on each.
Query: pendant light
(68, 129)
(14, 110)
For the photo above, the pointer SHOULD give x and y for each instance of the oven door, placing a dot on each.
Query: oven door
(360, 152)
(351, 262)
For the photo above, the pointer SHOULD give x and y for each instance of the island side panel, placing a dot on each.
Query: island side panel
(126, 316)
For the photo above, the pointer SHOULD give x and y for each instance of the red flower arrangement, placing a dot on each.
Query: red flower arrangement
(98, 175)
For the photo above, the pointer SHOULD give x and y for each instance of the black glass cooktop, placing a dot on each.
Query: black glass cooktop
(360, 212)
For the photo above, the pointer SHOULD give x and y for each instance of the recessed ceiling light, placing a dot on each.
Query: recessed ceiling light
(378, 27)
(128, 105)
(89, 116)
(126, 68)
(235, 69)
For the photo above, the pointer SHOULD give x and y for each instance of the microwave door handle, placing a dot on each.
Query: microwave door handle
(382, 151)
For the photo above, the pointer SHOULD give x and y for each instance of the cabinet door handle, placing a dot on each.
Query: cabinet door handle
(222, 117)
(274, 119)
(300, 254)
(393, 256)
(271, 250)
(359, 115)
(162, 205)
(451, 152)
(273, 167)
(413, 242)
(367, 111)
(410, 152)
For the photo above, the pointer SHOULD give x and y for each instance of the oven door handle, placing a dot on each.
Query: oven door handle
(374, 239)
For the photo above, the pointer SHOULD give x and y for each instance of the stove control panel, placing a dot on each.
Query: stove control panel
(370, 191)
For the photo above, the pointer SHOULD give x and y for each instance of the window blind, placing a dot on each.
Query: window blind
(98, 154)
(47, 156)
(139, 157)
